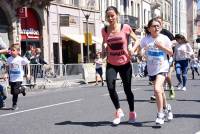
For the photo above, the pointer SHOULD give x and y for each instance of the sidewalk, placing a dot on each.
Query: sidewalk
(55, 83)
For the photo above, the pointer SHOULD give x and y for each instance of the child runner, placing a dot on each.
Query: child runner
(16, 73)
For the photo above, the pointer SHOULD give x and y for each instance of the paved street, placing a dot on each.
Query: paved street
(87, 109)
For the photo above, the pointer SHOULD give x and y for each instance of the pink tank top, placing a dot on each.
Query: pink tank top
(117, 46)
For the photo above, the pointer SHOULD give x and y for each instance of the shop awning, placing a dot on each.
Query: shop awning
(74, 37)
(79, 38)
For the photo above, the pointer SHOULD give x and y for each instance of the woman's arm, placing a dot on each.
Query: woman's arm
(136, 47)
(104, 50)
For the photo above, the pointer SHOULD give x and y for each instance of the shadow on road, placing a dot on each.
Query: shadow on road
(108, 123)
(187, 116)
(89, 124)
(187, 100)
(6, 108)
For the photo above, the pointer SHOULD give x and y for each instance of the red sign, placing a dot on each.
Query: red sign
(30, 34)
(22, 12)
(30, 26)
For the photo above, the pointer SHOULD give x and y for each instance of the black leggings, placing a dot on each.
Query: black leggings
(125, 72)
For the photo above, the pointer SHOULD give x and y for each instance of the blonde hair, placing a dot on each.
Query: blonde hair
(15, 46)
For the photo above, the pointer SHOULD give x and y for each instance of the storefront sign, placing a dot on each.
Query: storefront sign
(30, 34)
(22, 12)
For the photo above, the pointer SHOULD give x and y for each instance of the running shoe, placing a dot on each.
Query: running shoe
(168, 112)
(172, 93)
(14, 107)
(184, 89)
(102, 84)
(132, 117)
(2, 105)
(153, 98)
(23, 90)
(160, 118)
(179, 87)
(118, 115)
(150, 82)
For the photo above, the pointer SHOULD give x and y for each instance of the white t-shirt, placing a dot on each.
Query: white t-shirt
(182, 52)
(98, 63)
(16, 71)
(157, 61)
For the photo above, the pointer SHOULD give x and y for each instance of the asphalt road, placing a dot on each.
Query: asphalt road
(87, 109)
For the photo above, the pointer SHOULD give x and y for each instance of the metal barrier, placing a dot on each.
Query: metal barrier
(50, 75)
(65, 75)
(54, 74)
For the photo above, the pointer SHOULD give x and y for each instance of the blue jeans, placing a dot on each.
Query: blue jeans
(3, 95)
(181, 70)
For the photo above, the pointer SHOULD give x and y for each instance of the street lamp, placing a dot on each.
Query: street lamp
(87, 13)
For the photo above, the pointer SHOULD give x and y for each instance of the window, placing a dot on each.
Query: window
(116, 3)
(138, 13)
(165, 11)
(145, 17)
(169, 12)
(132, 8)
(74, 3)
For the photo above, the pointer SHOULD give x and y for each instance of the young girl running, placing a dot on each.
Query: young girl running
(156, 47)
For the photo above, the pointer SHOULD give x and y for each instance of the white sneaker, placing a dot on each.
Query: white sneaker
(179, 87)
(168, 113)
(118, 115)
(170, 116)
(184, 89)
(160, 118)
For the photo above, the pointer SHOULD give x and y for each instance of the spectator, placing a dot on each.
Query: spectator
(98, 66)
(30, 52)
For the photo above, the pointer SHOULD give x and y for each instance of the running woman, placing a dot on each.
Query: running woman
(115, 46)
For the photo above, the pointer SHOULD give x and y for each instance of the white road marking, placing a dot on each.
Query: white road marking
(42, 107)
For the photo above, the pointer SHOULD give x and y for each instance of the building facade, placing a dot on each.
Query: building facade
(25, 25)
(67, 25)
(60, 29)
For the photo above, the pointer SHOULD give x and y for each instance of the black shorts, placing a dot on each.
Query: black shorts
(153, 78)
(99, 71)
(15, 87)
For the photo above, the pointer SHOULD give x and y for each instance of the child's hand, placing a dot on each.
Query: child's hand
(158, 44)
